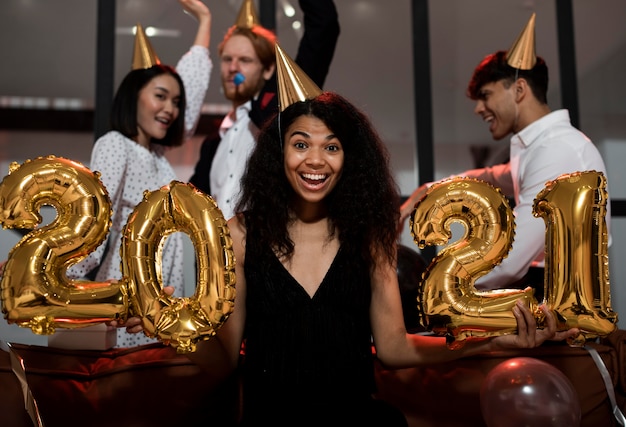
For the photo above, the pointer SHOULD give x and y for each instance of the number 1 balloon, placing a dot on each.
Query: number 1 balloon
(577, 287)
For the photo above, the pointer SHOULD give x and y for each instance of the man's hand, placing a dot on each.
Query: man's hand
(409, 205)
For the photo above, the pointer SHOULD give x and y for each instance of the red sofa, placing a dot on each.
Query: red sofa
(153, 386)
(448, 394)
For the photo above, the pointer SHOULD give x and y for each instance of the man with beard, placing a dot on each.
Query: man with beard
(248, 62)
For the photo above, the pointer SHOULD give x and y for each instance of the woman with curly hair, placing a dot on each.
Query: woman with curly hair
(314, 238)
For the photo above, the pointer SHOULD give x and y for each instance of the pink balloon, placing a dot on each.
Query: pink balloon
(524, 391)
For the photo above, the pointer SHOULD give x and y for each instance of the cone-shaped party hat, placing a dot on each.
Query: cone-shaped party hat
(143, 53)
(522, 54)
(247, 17)
(293, 83)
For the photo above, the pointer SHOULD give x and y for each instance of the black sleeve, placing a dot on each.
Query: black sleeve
(201, 177)
(317, 46)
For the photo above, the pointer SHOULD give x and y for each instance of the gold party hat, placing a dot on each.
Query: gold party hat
(293, 83)
(522, 54)
(143, 53)
(247, 17)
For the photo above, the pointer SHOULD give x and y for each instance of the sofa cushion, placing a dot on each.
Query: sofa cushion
(150, 385)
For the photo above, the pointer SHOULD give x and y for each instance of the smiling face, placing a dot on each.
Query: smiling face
(157, 108)
(313, 159)
(238, 56)
(497, 105)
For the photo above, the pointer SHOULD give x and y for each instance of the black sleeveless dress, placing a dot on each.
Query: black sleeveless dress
(308, 361)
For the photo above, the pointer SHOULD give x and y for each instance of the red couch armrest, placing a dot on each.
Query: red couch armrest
(150, 385)
(448, 394)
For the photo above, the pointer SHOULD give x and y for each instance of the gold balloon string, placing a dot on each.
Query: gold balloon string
(17, 365)
(280, 134)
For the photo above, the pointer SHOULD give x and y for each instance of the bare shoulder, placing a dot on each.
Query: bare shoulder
(237, 225)
(237, 230)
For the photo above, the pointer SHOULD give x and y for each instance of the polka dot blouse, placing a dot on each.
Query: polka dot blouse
(127, 170)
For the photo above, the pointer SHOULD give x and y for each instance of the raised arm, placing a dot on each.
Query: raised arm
(321, 32)
(195, 65)
(315, 54)
(201, 12)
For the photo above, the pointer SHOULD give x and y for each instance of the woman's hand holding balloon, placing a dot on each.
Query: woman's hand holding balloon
(529, 335)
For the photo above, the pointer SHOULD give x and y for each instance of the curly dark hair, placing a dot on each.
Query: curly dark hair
(364, 206)
(494, 68)
(124, 110)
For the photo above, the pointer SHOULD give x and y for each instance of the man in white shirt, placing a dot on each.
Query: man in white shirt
(512, 99)
(248, 62)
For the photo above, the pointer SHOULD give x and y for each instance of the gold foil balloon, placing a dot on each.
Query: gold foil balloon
(35, 290)
(577, 287)
(179, 322)
(450, 302)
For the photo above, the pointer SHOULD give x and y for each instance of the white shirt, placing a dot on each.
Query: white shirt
(194, 68)
(238, 138)
(540, 152)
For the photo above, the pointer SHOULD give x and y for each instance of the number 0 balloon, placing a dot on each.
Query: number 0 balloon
(181, 322)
